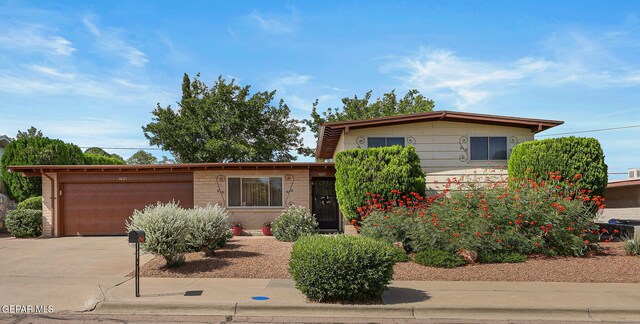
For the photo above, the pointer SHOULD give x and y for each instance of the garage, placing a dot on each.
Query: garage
(93, 200)
(100, 203)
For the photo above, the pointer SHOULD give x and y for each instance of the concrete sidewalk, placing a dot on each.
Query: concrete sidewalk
(404, 299)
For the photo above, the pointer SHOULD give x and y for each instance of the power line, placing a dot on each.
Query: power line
(124, 148)
(591, 131)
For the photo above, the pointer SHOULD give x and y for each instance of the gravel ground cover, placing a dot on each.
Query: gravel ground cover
(265, 258)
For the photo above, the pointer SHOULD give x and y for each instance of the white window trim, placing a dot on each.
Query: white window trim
(488, 135)
(268, 193)
(385, 136)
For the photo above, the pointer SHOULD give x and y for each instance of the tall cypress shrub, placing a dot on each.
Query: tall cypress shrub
(31, 148)
(573, 157)
(378, 171)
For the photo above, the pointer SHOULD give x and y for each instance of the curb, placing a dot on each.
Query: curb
(369, 311)
(147, 307)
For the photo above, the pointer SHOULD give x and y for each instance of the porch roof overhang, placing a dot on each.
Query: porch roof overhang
(329, 133)
(38, 170)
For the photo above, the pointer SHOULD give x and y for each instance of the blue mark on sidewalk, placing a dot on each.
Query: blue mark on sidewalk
(260, 298)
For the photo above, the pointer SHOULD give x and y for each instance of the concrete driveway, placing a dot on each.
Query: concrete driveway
(67, 273)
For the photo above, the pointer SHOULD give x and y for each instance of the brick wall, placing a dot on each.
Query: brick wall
(47, 205)
(210, 187)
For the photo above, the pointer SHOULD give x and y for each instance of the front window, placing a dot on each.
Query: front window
(384, 141)
(255, 192)
(484, 148)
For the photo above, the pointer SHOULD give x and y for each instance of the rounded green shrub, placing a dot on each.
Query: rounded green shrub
(32, 148)
(375, 170)
(24, 222)
(166, 227)
(399, 255)
(569, 156)
(439, 259)
(208, 227)
(341, 268)
(31, 203)
(501, 258)
(293, 223)
(96, 159)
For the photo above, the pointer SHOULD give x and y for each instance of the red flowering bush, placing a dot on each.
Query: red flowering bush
(532, 217)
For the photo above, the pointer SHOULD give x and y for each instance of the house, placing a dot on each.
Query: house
(4, 141)
(450, 144)
(97, 199)
(623, 198)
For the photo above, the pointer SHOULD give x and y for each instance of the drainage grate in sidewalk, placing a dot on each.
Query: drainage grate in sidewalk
(194, 293)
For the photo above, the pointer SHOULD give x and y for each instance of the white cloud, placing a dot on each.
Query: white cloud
(35, 38)
(110, 42)
(91, 27)
(589, 58)
(50, 71)
(463, 80)
(291, 79)
(299, 91)
(45, 80)
(273, 24)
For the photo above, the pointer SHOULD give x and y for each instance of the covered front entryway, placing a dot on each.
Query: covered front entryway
(324, 204)
(99, 204)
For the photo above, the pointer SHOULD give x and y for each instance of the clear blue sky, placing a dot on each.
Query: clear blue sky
(91, 72)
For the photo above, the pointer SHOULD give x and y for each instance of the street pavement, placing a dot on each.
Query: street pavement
(65, 273)
(149, 318)
(78, 278)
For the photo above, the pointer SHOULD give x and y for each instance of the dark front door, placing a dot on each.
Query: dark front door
(325, 203)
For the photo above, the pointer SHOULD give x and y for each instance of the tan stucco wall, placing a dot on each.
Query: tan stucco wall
(210, 187)
(439, 146)
(47, 204)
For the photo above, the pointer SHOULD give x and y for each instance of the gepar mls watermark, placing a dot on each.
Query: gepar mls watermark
(26, 309)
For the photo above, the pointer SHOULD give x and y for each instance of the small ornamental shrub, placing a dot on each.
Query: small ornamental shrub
(31, 203)
(375, 170)
(439, 259)
(632, 246)
(24, 222)
(166, 227)
(399, 255)
(341, 268)
(387, 226)
(294, 223)
(224, 239)
(208, 227)
(501, 258)
(569, 156)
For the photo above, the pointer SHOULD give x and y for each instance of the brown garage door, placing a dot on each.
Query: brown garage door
(102, 208)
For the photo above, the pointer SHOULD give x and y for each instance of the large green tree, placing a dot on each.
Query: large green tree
(142, 157)
(225, 123)
(32, 148)
(362, 108)
(100, 151)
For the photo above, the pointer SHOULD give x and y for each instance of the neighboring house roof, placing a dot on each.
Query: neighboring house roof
(36, 170)
(4, 140)
(329, 133)
(623, 183)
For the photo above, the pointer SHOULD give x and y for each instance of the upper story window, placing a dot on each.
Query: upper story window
(255, 192)
(384, 141)
(486, 148)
